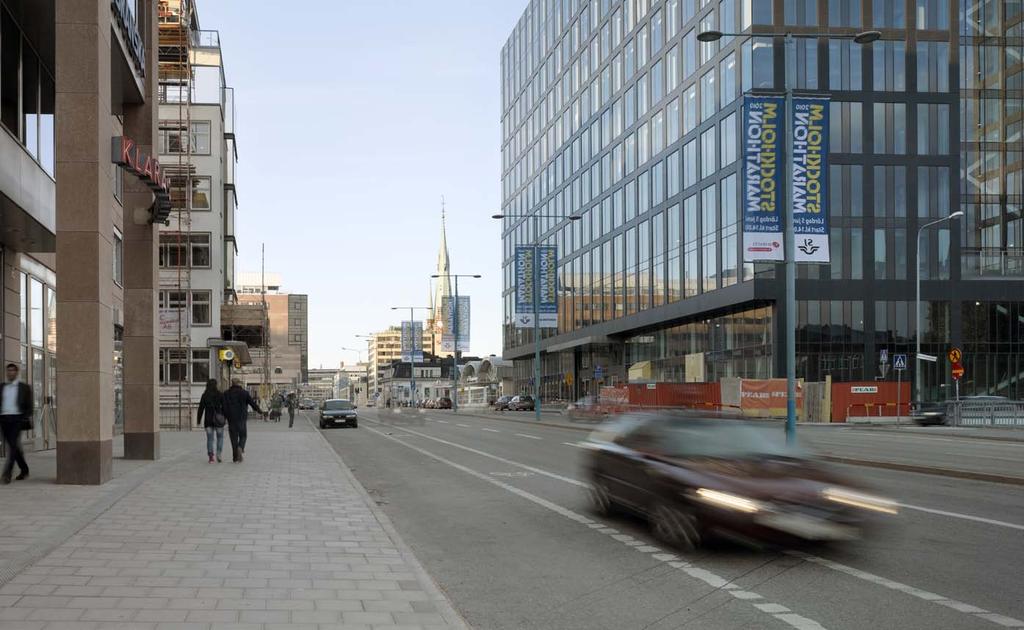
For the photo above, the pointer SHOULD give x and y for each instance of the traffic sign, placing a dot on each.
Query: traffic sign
(598, 372)
(955, 355)
(958, 371)
(931, 358)
(883, 356)
(899, 362)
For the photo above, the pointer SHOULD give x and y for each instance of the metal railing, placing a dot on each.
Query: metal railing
(994, 263)
(986, 413)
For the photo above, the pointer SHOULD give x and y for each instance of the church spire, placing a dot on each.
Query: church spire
(444, 287)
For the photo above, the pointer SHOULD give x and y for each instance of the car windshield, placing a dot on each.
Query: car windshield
(722, 439)
(337, 405)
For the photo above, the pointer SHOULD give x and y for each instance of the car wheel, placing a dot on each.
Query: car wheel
(322, 426)
(355, 425)
(600, 499)
(675, 526)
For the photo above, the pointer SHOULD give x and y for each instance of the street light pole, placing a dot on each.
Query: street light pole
(412, 353)
(789, 238)
(917, 317)
(455, 333)
(536, 318)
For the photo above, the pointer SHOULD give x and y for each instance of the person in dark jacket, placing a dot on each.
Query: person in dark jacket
(236, 408)
(292, 403)
(211, 416)
(16, 406)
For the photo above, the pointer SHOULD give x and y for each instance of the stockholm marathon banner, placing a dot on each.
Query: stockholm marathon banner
(763, 166)
(541, 260)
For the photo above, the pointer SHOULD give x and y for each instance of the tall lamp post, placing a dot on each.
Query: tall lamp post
(359, 357)
(455, 332)
(368, 339)
(918, 384)
(866, 37)
(536, 295)
(412, 350)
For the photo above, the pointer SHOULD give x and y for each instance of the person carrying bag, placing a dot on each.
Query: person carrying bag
(211, 416)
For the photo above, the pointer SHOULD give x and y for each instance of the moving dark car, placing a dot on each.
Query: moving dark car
(502, 403)
(928, 413)
(521, 403)
(338, 412)
(443, 403)
(692, 477)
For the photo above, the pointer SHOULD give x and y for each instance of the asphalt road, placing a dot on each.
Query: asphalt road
(496, 512)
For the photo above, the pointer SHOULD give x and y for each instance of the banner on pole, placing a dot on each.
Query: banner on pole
(810, 179)
(541, 260)
(448, 309)
(412, 342)
(762, 178)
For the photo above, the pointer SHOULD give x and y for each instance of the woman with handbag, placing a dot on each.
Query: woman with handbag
(211, 415)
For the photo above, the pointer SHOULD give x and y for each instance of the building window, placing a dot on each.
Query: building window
(890, 128)
(844, 65)
(933, 66)
(201, 192)
(890, 66)
(173, 365)
(172, 138)
(202, 308)
(844, 13)
(933, 15)
(118, 259)
(185, 250)
(200, 365)
(27, 95)
(802, 12)
(888, 14)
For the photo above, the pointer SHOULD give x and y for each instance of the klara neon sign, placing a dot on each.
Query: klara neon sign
(127, 154)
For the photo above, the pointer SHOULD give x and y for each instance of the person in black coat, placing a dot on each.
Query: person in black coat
(236, 408)
(211, 416)
(16, 406)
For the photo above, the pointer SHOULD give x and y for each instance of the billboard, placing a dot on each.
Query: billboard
(541, 260)
(448, 311)
(762, 178)
(412, 341)
(810, 179)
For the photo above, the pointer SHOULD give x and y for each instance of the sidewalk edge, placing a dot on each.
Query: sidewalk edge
(445, 606)
(927, 470)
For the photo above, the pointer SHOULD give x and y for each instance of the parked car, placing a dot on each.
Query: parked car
(521, 403)
(307, 404)
(501, 404)
(696, 476)
(338, 412)
(443, 403)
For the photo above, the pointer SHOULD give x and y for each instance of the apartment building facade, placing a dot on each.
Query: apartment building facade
(616, 112)
(197, 249)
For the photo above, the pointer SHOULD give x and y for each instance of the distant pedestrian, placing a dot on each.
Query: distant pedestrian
(291, 402)
(236, 408)
(16, 408)
(211, 416)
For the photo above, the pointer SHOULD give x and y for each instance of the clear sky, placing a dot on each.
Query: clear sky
(353, 118)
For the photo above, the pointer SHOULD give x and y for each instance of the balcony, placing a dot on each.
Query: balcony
(989, 263)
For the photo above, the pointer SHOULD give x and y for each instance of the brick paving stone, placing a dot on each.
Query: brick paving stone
(286, 540)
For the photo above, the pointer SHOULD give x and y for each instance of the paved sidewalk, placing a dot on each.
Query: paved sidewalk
(288, 539)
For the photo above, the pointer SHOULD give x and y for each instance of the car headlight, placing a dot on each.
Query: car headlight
(729, 501)
(860, 500)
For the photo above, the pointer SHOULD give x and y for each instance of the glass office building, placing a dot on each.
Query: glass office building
(614, 110)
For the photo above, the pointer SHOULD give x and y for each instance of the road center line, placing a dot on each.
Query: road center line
(532, 437)
(442, 421)
(490, 430)
(927, 596)
(464, 426)
(707, 577)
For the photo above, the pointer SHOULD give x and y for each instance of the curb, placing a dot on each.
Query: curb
(987, 438)
(532, 423)
(445, 607)
(927, 470)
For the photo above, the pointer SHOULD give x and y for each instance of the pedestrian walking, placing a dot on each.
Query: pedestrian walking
(291, 402)
(211, 416)
(15, 416)
(237, 402)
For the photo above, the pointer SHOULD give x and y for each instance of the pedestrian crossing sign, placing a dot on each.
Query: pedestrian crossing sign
(900, 361)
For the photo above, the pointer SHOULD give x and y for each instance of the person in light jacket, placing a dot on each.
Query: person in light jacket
(16, 406)
(211, 416)
(237, 402)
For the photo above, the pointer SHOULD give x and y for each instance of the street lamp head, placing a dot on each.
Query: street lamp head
(574, 217)
(476, 275)
(497, 216)
(709, 36)
(957, 214)
(867, 37)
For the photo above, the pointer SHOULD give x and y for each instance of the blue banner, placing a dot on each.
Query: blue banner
(412, 342)
(810, 179)
(524, 286)
(547, 285)
(763, 132)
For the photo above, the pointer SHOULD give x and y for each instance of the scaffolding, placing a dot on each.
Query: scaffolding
(178, 28)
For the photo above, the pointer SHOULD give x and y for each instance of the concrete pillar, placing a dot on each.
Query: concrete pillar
(141, 280)
(84, 242)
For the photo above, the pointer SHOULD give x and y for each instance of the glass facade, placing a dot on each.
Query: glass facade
(613, 110)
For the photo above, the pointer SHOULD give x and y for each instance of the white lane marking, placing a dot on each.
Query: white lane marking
(966, 517)
(464, 426)
(532, 437)
(490, 430)
(576, 444)
(711, 579)
(927, 596)
(442, 421)
(503, 460)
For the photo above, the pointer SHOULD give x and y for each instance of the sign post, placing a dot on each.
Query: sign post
(899, 364)
(954, 356)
